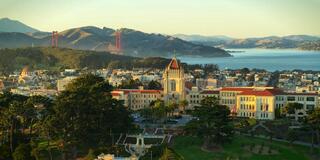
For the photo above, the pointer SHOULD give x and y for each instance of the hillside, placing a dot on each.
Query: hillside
(56, 58)
(304, 42)
(8, 25)
(134, 43)
(287, 42)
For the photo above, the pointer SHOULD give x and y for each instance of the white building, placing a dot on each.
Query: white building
(137, 99)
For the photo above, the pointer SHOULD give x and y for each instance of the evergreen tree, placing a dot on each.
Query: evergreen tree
(213, 122)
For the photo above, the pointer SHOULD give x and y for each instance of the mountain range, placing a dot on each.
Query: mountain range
(305, 42)
(14, 34)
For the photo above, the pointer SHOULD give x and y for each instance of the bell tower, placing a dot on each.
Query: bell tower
(173, 82)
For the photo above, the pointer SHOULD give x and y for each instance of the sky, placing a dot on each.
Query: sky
(235, 18)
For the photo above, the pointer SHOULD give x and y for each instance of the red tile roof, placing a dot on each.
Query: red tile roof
(236, 89)
(115, 94)
(302, 94)
(273, 92)
(253, 92)
(278, 91)
(126, 91)
(209, 92)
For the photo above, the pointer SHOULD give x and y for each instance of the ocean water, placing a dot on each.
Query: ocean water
(269, 59)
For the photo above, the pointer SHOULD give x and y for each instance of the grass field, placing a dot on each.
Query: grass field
(190, 149)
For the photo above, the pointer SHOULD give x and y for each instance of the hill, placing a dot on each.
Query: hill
(8, 25)
(57, 58)
(286, 42)
(134, 43)
(205, 40)
(305, 42)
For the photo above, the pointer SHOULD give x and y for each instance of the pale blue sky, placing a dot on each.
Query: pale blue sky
(236, 18)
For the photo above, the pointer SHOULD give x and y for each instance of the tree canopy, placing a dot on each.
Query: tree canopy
(85, 114)
(213, 122)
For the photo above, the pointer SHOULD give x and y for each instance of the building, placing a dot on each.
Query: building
(26, 91)
(308, 100)
(137, 99)
(201, 83)
(212, 83)
(173, 89)
(174, 82)
(195, 96)
(257, 103)
(262, 102)
(228, 95)
(62, 83)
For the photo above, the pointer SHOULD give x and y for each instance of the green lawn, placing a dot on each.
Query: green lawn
(190, 149)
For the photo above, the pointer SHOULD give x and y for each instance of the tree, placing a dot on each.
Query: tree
(154, 85)
(5, 152)
(159, 110)
(22, 152)
(313, 123)
(245, 71)
(171, 107)
(85, 114)
(277, 113)
(131, 84)
(12, 120)
(183, 104)
(214, 122)
(146, 113)
(291, 108)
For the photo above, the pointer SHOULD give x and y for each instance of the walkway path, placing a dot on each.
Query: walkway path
(282, 140)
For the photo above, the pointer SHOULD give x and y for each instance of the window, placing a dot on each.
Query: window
(291, 98)
(173, 85)
(310, 106)
(310, 98)
(267, 107)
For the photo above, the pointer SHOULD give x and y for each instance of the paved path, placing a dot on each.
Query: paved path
(282, 140)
